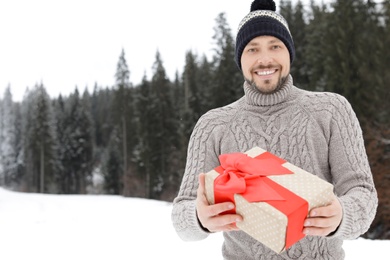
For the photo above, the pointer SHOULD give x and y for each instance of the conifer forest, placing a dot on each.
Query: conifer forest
(131, 139)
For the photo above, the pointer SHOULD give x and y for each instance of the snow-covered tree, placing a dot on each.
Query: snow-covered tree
(75, 132)
(112, 163)
(8, 134)
(40, 142)
(227, 83)
(123, 113)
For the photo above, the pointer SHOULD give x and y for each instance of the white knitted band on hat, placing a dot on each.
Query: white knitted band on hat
(267, 13)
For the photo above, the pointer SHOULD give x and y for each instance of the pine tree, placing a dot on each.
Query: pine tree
(40, 150)
(102, 120)
(62, 177)
(376, 127)
(192, 96)
(163, 138)
(8, 140)
(191, 91)
(145, 131)
(197, 91)
(122, 84)
(78, 143)
(124, 115)
(112, 163)
(18, 144)
(295, 16)
(205, 82)
(316, 45)
(184, 124)
(344, 43)
(227, 82)
(101, 102)
(86, 141)
(383, 40)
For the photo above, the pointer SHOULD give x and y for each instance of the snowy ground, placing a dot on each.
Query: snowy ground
(94, 227)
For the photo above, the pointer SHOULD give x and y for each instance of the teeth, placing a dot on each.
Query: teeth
(264, 73)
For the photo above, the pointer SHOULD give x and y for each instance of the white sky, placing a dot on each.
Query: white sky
(101, 227)
(78, 42)
(69, 43)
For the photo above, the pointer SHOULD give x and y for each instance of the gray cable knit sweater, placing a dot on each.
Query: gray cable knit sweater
(318, 132)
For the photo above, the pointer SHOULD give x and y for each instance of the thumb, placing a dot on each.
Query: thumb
(201, 188)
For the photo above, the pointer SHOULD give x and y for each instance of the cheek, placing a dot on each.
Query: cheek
(285, 61)
(246, 71)
(246, 64)
(286, 68)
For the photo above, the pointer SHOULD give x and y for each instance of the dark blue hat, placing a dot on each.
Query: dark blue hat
(263, 20)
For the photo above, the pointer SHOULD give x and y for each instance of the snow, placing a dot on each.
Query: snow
(46, 227)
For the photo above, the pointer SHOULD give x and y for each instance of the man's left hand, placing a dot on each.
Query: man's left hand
(323, 220)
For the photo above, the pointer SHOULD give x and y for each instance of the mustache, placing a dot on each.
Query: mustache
(264, 67)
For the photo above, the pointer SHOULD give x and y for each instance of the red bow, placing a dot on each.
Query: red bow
(247, 176)
(244, 175)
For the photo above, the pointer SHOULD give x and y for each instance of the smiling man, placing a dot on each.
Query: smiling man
(265, 64)
(316, 131)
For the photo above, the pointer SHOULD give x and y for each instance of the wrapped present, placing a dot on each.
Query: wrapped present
(272, 195)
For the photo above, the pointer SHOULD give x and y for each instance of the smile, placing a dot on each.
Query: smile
(265, 72)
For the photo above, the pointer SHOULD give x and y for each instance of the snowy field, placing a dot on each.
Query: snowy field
(101, 227)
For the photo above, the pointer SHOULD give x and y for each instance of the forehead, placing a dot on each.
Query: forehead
(264, 39)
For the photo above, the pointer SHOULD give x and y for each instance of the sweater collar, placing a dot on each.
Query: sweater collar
(254, 97)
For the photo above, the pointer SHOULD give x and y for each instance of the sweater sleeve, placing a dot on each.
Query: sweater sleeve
(351, 173)
(202, 156)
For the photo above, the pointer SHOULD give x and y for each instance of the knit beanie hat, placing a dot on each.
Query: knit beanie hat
(263, 20)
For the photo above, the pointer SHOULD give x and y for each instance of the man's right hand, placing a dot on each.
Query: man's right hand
(209, 215)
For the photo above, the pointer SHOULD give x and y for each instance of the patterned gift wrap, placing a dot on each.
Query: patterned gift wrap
(273, 196)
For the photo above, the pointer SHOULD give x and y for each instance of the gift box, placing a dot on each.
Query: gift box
(272, 195)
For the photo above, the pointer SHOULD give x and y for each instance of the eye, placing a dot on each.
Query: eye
(251, 50)
(276, 47)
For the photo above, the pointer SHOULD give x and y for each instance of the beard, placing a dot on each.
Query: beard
(269, 89)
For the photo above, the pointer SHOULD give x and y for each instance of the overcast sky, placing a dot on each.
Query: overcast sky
(71, 43)
(65, 44)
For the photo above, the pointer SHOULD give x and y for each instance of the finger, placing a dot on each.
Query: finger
(326, 211)
(223, 222)
(320, 226)
(201, 200)
(324, 220)
(220, 208)
(319, 222)
(212, 210)
(202, 181)
(211, 216)
(201, 192)
(215, 222)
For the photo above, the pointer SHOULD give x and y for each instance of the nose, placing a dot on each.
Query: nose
(264, 59)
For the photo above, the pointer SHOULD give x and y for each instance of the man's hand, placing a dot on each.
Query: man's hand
(324, 220)
(208, 215)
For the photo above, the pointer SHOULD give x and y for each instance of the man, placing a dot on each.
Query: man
(315, 131)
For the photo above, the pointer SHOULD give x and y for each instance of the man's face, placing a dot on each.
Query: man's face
(265, 63)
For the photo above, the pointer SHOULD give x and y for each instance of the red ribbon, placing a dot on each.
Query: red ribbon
(247, 176)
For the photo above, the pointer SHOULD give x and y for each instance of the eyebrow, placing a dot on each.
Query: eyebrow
(273, 41)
